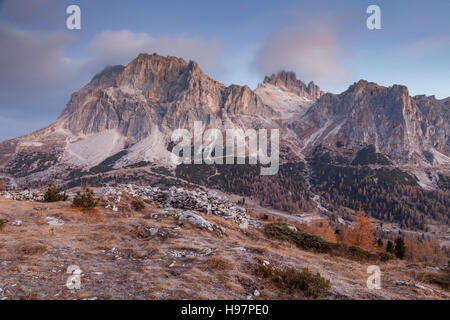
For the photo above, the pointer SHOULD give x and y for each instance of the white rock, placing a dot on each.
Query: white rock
(256, 293)
(195, 220)
(53, 221)
(153, 231)
(244, 225)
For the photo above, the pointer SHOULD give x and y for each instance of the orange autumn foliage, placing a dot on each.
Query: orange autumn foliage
(324, 230)
(361, 234)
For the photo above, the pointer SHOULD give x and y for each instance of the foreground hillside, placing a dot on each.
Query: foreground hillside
(174, 253)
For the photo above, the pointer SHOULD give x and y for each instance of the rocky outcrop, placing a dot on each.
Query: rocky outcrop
(289, 81)
(155, 91)
(408, 129)
(180, 198)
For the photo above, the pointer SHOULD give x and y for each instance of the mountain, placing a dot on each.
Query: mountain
(118, 129)
(133, 110)
(410, 130)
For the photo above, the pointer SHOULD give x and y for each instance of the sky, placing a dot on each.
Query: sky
(236, 42)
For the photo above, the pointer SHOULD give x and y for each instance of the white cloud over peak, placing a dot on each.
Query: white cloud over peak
(122, 46)
(311, 51)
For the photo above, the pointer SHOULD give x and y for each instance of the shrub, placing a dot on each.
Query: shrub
(138, 205)
(390, 247)
(3, 223)
(293, 281)
(29, 249)
(281, 231)
(54, 194)
(85, 200)
(303, 240)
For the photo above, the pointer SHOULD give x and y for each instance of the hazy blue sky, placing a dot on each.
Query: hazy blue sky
(42, 63)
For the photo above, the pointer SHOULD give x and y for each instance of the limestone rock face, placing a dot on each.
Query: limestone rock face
(289, 81)
(166, 92)
(408, 129)
(126, 115)
(132, 111)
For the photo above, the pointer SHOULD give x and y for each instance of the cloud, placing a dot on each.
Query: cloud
(37, 77)
(120, 47)
(35, 74)
(425, 46)
(35, 14)
(29, 57)
(311, 51)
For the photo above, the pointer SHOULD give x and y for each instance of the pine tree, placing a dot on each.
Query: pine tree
(380, 242)
(400, 248)
(390, 247)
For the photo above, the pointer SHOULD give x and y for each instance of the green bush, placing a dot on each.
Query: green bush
(138, 205)
(85, 200)
(292, 281)
(54, 194)
(303, 240)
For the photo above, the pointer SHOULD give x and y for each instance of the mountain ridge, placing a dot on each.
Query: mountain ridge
(135, 108)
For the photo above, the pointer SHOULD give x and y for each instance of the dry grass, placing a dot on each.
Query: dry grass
(217, 263)
(28, 250)
(93, 215)
(175, 266)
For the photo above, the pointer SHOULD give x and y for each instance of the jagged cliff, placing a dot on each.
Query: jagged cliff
(410, 130)
(126, 115)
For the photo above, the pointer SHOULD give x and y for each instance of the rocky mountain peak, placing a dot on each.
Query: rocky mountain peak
(150, 72)
(107, 76)
(288, 80)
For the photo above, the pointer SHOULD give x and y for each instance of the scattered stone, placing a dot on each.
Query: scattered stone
(244, 225)
(153, 231)
(256, 293)
(292, 228)
(195, 220)
(17, 223)
(53, 221)
(25, 195)
(179, 198)
(410, 284)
